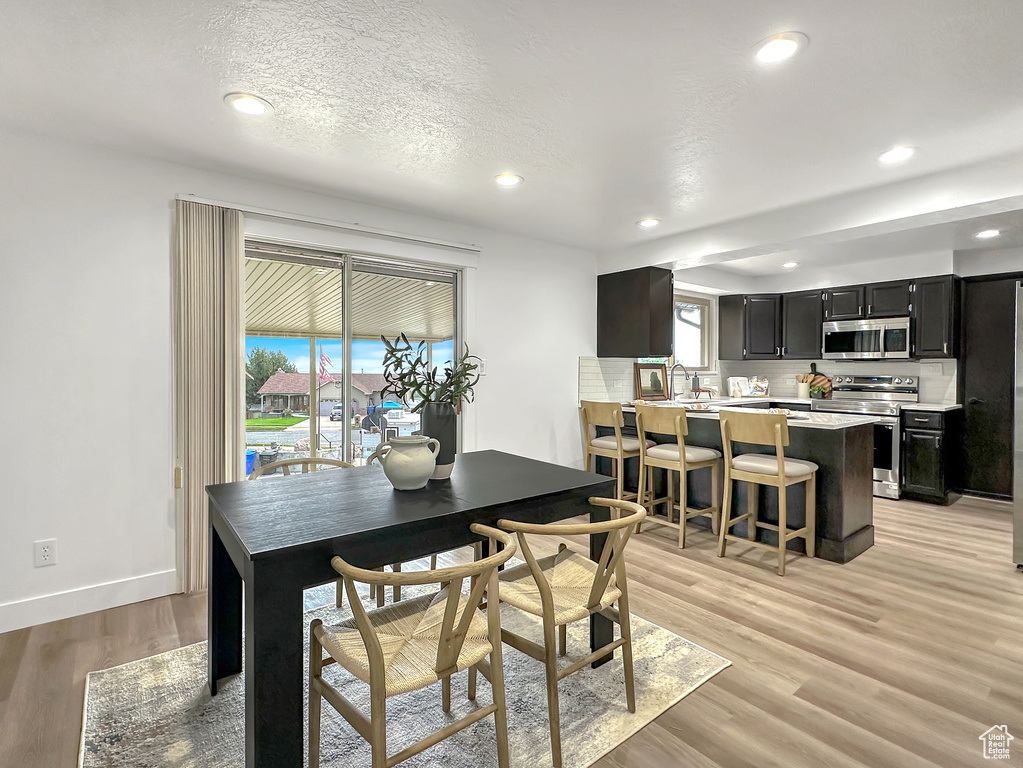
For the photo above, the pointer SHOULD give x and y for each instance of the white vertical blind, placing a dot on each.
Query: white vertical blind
(209, 370)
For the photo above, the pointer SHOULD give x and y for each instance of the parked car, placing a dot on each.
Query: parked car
(337, 413)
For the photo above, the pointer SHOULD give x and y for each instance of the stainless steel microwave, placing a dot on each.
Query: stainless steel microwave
(866, 339)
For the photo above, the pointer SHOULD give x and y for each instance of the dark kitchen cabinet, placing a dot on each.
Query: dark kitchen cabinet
(731, 327)
(769, 326)
(844, 303)
(635, 313)
(802, 314)
(923, 465)
(891, 299)
(936, 303)
(928, 440)
(763, 327)
(986, 371)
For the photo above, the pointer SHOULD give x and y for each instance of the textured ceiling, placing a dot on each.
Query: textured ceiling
(611, 111)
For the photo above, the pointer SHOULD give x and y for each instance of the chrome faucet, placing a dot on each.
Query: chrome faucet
(671, 379)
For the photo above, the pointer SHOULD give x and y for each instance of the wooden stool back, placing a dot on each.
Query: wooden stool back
(661, 420)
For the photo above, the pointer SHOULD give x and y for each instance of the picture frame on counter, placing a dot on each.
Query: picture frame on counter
(651, 381)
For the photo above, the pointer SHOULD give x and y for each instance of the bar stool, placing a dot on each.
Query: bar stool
(674, 457)
(764, 469)
(616, 447)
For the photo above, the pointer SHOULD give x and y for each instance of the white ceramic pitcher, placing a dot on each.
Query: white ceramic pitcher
(408, 462)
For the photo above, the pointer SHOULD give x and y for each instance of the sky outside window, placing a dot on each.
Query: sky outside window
(367, 356)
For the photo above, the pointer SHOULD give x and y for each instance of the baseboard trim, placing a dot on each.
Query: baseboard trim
(75, 602)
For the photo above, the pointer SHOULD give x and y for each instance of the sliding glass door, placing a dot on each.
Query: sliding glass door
(388, 300)
(314, 369)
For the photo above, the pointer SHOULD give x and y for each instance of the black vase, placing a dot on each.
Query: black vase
(438, 420)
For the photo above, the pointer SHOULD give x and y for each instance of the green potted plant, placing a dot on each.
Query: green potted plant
(436, 395)
(817, 392)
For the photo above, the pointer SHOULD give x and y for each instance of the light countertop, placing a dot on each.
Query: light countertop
(807, 419)
(730, 401)
(797, 419)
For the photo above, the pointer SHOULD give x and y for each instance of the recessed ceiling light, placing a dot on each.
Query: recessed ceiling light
(430, 283)
(779, 48)
(248, 104)
(987, 234)
(790, 265)
(648, 223)
(896, 155)
(508, 180)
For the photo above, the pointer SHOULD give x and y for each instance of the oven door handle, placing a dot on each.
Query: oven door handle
(882, 331)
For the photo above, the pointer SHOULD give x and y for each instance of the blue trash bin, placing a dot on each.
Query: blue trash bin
(250, 458)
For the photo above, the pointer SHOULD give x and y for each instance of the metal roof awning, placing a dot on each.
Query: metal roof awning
(294, 299)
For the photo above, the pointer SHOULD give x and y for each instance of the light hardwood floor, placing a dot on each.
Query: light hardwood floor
(900, 658)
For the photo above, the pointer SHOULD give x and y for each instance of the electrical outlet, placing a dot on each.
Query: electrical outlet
(46, 552)
(791, 381)
(482, 367)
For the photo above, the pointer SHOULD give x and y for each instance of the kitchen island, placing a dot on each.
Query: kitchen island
(841, 445)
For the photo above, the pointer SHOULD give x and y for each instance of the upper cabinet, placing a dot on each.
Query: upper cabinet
(731, 327)
(893, 299)
(762, 327)
(844, 303)
(936, 310)
(634, 313)
(769, 326)
(802, 314)
(788, 325)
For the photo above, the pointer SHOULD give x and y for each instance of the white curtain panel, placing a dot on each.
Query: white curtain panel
(209, 341)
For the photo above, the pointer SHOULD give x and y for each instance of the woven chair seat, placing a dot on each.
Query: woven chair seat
(409, 633)
(571, 578)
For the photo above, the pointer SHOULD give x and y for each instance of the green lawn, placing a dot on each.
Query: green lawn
(274, 424)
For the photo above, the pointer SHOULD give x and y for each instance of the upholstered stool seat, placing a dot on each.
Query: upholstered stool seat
(768, 465)
(669, 451)
(629, 444)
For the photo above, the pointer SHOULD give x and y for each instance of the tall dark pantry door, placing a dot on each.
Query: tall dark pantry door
(986, 372)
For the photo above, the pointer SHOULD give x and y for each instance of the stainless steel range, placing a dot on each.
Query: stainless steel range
(881, 396)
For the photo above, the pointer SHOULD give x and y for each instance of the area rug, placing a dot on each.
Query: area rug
(158, 711)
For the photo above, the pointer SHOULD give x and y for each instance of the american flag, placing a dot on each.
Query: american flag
(324, 362)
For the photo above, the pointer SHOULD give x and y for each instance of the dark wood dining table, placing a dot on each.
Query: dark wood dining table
(278, 535)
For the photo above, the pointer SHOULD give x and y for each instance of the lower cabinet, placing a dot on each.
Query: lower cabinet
(926, 449)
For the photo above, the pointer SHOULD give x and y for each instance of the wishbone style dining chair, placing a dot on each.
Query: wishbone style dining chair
(569, 587)
(410, 645)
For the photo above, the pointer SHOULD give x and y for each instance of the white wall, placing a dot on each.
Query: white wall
(86, 298)
(988, 262)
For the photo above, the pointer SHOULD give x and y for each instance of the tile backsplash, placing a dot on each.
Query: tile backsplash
(612, 379)
(937, 377)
